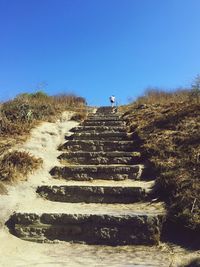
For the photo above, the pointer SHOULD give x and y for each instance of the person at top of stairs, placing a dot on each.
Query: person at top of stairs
(112, 100)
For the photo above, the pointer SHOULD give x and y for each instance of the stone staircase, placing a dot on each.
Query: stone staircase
(104, 195)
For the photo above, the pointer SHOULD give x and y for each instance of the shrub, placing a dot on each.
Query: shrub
(79, 116)
(20, 115)
(17, 165)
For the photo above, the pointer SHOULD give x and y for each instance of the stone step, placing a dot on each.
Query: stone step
(110, 115)
(99, 136)
(99, 145)
(105, 224)
(88, 192)
(104, 123)
(104, 118)
(101, 157)
(103, 172)
(94, 129)
(107, 110)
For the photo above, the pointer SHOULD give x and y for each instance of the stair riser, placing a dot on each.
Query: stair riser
(104, 123)
(111, 115)
(101, 118)
(92, 194)
(97, 146)
(88, 228)
(106, 110)
(98, 137)
(86, 147)
(98, 129)
(96, 172)
(99, 160)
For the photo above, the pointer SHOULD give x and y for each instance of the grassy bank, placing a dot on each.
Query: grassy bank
(168, 127)
(18, 117)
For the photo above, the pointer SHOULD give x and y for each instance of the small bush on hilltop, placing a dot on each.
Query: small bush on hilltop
(168, 125)
(19, 115)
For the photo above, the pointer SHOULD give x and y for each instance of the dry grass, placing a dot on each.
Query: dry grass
(3, 190)
(79, 116)
(21, 114)
(160, 96)
(169, 131)
(16, 165)
(18, 117)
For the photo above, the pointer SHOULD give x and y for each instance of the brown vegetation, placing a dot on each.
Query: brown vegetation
(15, 166)
(21, 114)
(18, 117)
(168, 126)
(79, 116)
(159, 96)
(3, 189)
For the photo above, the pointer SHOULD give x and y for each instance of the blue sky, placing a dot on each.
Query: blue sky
(96, 48)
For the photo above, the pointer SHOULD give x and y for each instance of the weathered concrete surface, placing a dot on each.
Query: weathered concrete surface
(106, 146)
(81, 157)
(107, 110)
(93, 228)
(99, 128)
(92, 193)
(100, 136)
(103, 118)
(104, 123)
(90, 172)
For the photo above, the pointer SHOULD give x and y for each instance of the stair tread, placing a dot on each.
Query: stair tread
(102, 167)
(99, 127)
(102, 141)
(106, 183)
(104, 119)
(106, 133)
(41, 206)
(102, 153)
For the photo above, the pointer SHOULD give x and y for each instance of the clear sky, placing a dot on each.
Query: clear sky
(96, 48)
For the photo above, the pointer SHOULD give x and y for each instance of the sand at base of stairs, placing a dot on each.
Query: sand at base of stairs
(18, 253)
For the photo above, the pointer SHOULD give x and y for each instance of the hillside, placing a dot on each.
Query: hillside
(165, 128)
(168, 128)
(17, 118)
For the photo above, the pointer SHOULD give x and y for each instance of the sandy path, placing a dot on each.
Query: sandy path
(16, 252)
(42, 143)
